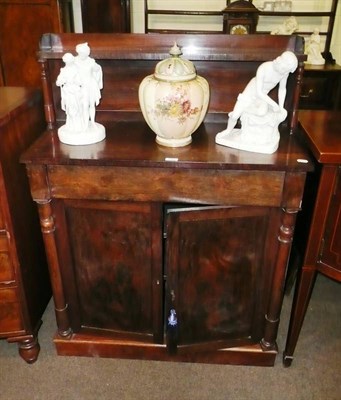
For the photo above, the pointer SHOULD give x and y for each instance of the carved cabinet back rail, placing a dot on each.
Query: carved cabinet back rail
(167, 253)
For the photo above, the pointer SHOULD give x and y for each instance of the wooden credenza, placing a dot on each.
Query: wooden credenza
(133, 230)
(322, 133)
(24, 280)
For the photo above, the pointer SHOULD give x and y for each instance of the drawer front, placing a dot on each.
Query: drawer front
(6, 268)
(10, 316)
(259, 188)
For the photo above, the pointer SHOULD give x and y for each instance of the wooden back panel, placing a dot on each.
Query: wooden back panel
(228, 62)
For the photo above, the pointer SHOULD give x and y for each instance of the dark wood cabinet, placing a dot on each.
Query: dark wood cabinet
(125, 254)
(24, 280)
(164, 253)
(101, 16)
(22, 25)
(321, 87)
(322, 133)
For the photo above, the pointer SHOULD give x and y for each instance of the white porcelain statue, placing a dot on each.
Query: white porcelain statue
(289, 26)
(259, 114)
(80, 81)
(314, 49)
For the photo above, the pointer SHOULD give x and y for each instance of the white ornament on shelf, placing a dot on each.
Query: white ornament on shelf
(288, 27)
(314, 49)
(80, 82)
(259, 114)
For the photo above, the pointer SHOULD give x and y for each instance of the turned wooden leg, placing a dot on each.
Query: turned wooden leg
(303, 290)
(29, 349)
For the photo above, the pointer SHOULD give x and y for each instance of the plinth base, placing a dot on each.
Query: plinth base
(93, 134)
(174, 142)
(236, 140)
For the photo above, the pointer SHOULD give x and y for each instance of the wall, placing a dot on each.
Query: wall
(336, 39)
(215, 23)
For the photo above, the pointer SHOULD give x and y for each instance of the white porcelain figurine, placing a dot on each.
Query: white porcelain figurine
(314, 49)
(259, 114)
(289, 26)
(80, 81)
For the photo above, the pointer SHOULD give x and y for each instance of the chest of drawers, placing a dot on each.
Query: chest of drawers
(24, 282)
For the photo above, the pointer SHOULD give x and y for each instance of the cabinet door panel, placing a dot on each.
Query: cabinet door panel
(116, 264)
(215, 267)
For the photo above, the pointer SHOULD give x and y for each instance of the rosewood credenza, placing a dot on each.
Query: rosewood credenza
(133, 229)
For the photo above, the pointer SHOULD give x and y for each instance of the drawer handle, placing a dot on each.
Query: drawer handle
(305, 96)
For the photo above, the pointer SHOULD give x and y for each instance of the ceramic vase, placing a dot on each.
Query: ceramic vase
(174, 100)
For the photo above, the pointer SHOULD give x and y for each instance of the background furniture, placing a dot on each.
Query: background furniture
(133, 229)
(106, 15)
(22, 25)
(321, 87)
(329, 12)
(321, 131)
(24, 280)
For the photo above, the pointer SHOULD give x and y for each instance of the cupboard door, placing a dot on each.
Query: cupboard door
(113, 276)
(217, 273)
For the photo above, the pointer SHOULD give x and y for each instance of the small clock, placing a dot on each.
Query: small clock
(240, 18)
(239, 29)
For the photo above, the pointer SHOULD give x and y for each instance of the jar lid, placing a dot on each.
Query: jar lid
(175, 69)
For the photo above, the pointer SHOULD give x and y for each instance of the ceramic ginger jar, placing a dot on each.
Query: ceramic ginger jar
(174, 100)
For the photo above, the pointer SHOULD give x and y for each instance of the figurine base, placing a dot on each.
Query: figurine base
(95, 133)
(237, 140)
(315, 62)
(174, 142)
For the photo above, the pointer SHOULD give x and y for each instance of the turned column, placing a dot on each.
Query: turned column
(272, 319)
(41, 195)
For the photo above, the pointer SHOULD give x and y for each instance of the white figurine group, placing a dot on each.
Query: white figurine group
(259, 114)
(81, 81)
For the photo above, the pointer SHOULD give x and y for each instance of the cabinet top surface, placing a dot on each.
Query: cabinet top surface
(12, 99)
(133, 144)
(322, 131)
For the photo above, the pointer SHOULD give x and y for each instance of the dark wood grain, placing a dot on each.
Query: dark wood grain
(100, 16)
(22, 25)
